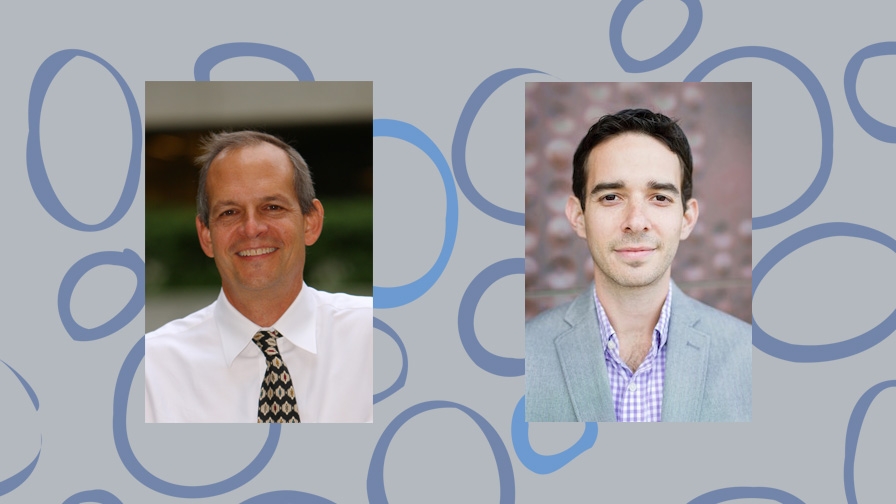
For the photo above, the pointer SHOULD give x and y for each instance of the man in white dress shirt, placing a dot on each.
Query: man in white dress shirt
(256, 214)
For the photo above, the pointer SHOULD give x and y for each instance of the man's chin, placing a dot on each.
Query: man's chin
(634, 279)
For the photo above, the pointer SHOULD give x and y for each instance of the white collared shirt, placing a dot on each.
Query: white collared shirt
(205, 368)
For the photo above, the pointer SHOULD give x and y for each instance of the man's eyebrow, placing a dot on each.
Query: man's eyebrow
(225, 203)
(607, 186)
(663, 186)
(276, 198)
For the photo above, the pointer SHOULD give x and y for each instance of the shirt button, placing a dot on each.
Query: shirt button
(612, 345)
(632, 387)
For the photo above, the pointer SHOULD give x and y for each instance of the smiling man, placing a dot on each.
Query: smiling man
(270, 348)
(634, 347)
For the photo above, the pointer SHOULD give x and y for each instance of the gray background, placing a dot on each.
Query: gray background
(424, 64)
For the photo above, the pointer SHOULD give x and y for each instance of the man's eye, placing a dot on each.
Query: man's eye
(227, 213)
(609, 197)
(663, 198)
(273, 207)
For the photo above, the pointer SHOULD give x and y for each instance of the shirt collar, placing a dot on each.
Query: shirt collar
(661, 330)
(297, 324)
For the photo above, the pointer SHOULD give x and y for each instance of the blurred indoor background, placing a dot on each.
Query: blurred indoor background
(329, 123)
(714, 264)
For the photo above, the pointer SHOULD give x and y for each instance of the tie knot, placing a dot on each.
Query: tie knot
(267, 343)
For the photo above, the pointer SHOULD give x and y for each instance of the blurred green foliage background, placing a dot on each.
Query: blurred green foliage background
(340, 261)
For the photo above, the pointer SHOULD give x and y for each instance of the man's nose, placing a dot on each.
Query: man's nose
(253, 224)
(636, 220)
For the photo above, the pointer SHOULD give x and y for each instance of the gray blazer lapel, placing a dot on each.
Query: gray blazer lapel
(687, 361)
(581, 358)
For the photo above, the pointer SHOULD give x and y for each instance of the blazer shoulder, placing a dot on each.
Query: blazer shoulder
(548, 322)
(720, 324)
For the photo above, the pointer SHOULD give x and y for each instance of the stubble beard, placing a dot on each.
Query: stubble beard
(632, 275)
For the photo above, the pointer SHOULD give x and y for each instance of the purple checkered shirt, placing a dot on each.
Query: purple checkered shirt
(638, 396)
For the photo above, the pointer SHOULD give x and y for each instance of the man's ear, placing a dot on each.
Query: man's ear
(314, 223)
(575, 215)
(689, 219)
(205, 238)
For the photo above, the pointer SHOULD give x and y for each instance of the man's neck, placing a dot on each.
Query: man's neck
(632, 311)
(263, 310)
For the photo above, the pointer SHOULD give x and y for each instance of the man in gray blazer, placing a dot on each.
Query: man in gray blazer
(634, 347)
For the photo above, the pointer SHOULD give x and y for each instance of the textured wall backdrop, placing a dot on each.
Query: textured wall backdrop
(713, 264)
(449, 166)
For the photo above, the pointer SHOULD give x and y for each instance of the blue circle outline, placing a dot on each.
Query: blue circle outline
(97, 495)
(403, 375)
(828, 351)
(287, 497)
(14, 481)
(877, 129)
(392, 297)
(34, 159)
(376, 489)
(459, 145)
(675, 49)
(853, 428)
(129, 459)
(822, 106)
(466, 313)
(736, 493)
(545, 464)
(210, 58)
(126, 259)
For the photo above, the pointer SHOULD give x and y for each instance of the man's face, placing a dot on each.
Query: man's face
(633, 217)
(257, 233)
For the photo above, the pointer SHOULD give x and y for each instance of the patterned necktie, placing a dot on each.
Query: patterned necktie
(277, 403)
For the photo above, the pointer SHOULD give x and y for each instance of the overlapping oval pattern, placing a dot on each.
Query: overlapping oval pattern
(391, 297)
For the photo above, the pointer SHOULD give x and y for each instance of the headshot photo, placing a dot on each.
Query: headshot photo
(638, 252)
(259, 252)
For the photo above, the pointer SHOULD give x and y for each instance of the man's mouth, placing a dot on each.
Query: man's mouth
(634, 252)
(256, 252)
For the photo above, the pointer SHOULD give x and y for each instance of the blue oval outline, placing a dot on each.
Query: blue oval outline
(877, 129)
(287, 497)
(736, 493)
(129, 459)
(828, 351)
(392, 297)
(99, 496)
(403, 374)
(14, 481)
(459, 145)
(853, 429)
(127, 259)
(34, 159)
(376, 489)
(675, 49)
(212, 56)
(466, 313)
(545, 464)
(822, 106)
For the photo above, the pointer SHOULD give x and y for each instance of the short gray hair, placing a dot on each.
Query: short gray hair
(216, 143)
